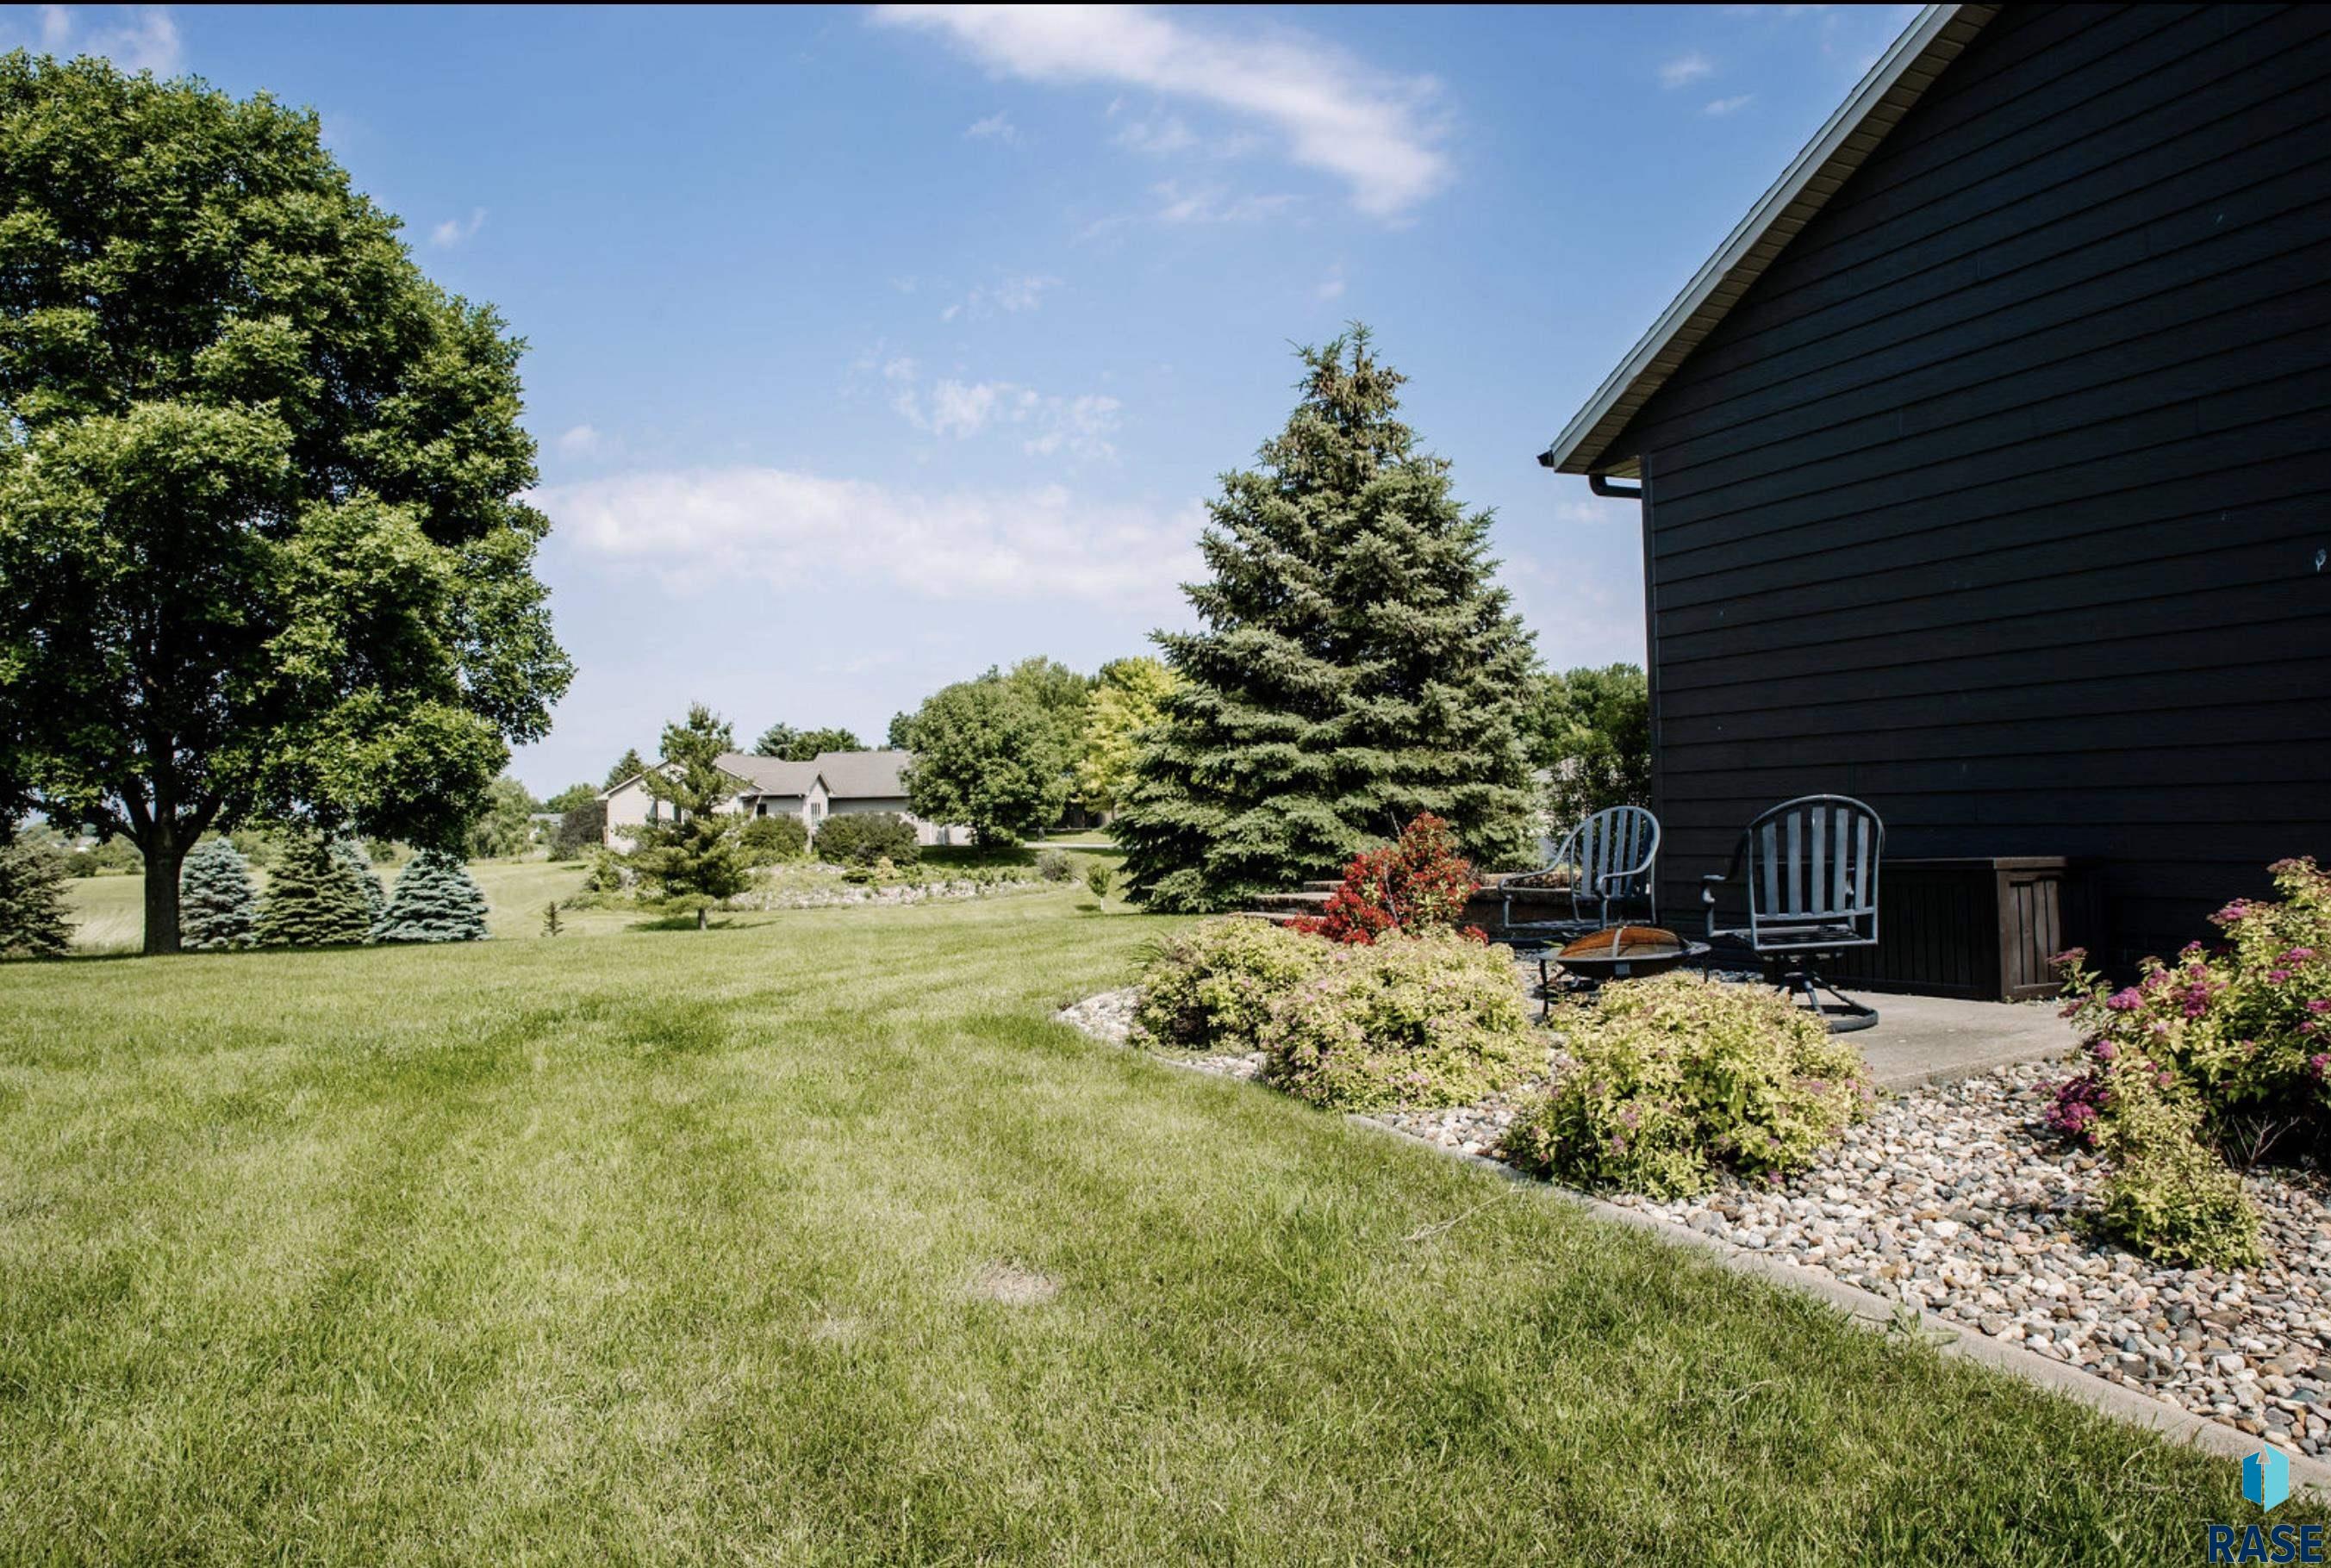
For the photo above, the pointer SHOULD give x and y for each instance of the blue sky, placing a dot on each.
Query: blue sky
(871, 348)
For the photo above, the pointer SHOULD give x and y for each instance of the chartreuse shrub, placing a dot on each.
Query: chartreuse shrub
(1429, 1020)
(435, 901)
(312, 900)
(1675, 1078)
(217, 905)
(2166, 1192)
(1210, 987)
(770, 841)
(862, 838)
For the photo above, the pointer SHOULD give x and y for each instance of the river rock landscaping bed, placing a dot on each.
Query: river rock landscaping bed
(1957, 1199)
(869, 893)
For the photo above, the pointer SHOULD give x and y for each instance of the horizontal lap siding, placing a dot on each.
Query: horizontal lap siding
(1995, 501)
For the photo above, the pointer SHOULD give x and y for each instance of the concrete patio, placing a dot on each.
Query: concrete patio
(1926, 1039)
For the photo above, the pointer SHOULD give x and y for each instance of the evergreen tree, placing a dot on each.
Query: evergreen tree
(312, 901)
(353, 860)
(696, 857)
(32, 919)
(217, 907)
(436, 900)
(627, 766)
(783, 740)
(1356, 663)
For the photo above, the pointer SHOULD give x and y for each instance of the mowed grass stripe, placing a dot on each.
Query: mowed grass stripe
(675, 1247)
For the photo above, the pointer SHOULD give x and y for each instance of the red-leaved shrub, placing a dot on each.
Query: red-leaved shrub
(1417, 884)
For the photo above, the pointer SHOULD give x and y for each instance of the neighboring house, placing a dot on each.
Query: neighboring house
(837, 782)
(1985, 468)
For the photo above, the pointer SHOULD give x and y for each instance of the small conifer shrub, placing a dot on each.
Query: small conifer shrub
(358, 864)
(435, 901)
(218, 907)
(312, 901)
(32, 920)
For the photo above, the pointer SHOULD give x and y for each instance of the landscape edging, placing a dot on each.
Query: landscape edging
(1872, 1310)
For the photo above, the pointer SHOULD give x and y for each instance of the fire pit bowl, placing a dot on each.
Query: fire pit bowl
(1624, 952)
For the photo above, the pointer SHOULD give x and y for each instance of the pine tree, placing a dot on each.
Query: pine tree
(1356, 664)
(312, 901)
(217, 907)
(435, 900)
(697, 859)
(34, 923)
(353, 860)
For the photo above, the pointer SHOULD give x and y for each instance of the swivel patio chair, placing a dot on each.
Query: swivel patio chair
(1610, 859)
(1810, 867)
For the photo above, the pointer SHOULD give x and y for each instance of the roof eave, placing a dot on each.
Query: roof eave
(1877, 102)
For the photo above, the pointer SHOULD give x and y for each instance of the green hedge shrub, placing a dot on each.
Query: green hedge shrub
(218, 907)
(1210, 987)
(1433, 1018)
(1054, 866)
(769, 840)
(862, 838)
(1675, 1076)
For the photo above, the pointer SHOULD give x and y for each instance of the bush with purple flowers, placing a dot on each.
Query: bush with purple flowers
(2245, 1028)
(2222, 1052)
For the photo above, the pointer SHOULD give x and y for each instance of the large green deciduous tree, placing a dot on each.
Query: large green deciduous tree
(1591, 731)
(692, 853)
(1127, 698)
(262, 553)
(1356, 663)
(989, 756)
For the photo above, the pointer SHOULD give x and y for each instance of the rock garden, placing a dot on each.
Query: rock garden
(2153, 1211)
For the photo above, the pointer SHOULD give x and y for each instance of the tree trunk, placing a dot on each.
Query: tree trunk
(699, 917)
(162, 855)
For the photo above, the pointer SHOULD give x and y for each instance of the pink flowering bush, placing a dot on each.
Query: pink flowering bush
(2245, 1028)
(2223, 1051)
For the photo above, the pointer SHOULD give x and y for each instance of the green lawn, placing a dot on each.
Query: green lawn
(668, 1247)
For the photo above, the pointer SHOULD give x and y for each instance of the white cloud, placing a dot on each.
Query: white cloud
(996, 127)
(455, 231)
(1049, 425)
(1364, 127)
(1331, 287)
(1012, 295)
(1179, 204)
(147, 39)
(1685, 70)
(691, 528)
(1157, 137)
(1726, 105)
(582, 441)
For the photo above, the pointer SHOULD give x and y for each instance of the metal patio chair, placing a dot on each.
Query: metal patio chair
(1611, 858)
(1810, 866)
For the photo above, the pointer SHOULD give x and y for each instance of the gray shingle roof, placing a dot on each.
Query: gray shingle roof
(771, 775)
(859, 774)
